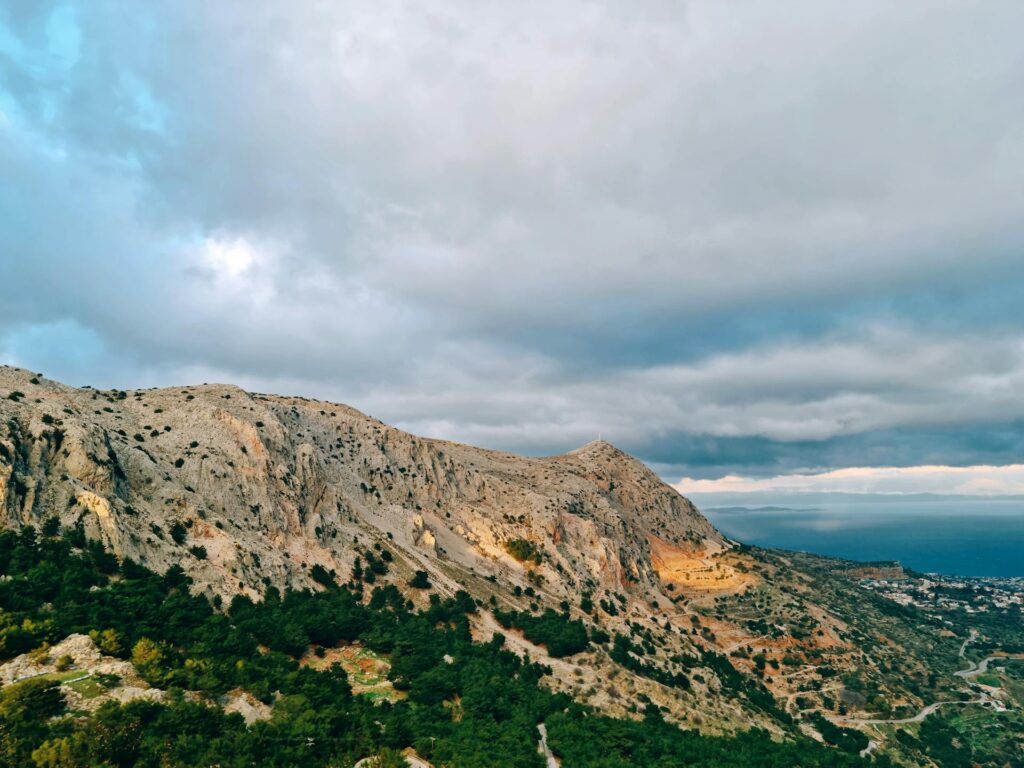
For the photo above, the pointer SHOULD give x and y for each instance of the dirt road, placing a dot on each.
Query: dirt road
(542, 747)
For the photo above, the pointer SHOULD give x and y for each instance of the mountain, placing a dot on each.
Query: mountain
(271, 486)
(585, 561)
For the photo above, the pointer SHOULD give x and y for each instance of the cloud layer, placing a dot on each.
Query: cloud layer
(957, 481)
(727, 239)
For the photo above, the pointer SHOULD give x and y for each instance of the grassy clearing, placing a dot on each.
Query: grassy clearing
(87, 688)
(1016, 690)
(80, 681)
(364, 667)
(57, 677)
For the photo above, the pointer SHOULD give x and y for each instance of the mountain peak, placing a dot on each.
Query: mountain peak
(595, 445)
(600, 448)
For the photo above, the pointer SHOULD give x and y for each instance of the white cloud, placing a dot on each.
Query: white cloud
(977, 480)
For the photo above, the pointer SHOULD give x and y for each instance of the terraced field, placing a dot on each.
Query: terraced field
(367, 671)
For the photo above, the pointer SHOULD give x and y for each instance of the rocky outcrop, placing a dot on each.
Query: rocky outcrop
(79, 652)
(240, 487)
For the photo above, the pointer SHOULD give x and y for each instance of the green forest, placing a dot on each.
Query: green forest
(466, 704)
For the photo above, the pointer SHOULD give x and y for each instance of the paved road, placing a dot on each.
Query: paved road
(916, 718)
(972, 669)
(970, 639)
(982, 666)
(971, 666)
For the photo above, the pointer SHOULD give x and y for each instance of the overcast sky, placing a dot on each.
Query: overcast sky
(747, 239)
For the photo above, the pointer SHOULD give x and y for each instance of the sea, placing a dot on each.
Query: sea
(956, 536)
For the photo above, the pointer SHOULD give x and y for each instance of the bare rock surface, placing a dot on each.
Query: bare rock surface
(248, 706)
(268, 486)
(83, 655)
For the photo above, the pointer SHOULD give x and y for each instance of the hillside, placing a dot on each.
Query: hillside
(586, 561)
(172, 680)
(272, 486)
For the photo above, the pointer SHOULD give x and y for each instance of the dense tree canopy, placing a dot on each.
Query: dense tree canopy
(465, 703)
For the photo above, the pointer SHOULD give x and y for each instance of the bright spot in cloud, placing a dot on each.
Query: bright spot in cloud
(228, 259)
(976, 480)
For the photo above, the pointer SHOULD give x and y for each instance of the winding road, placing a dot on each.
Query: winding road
(971, 637)
(973, 668)
(929, 709)
(982, 666)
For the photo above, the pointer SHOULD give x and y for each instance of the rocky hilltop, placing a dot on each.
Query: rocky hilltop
(271, 486)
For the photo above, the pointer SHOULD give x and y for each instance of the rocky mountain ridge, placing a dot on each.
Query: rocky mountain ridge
(271, 486)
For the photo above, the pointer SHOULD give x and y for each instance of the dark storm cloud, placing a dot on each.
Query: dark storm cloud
(724, 235)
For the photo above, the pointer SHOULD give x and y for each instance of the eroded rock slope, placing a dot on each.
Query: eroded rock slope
(270, 486)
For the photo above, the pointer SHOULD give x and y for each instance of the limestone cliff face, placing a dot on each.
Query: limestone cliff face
(269, 486)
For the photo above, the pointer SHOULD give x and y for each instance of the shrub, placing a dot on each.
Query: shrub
(375, 564)
(321, 575)
(178, 532)
(108, 641)
(523, 550)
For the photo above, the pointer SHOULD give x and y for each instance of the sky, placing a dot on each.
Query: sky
(743, 241)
